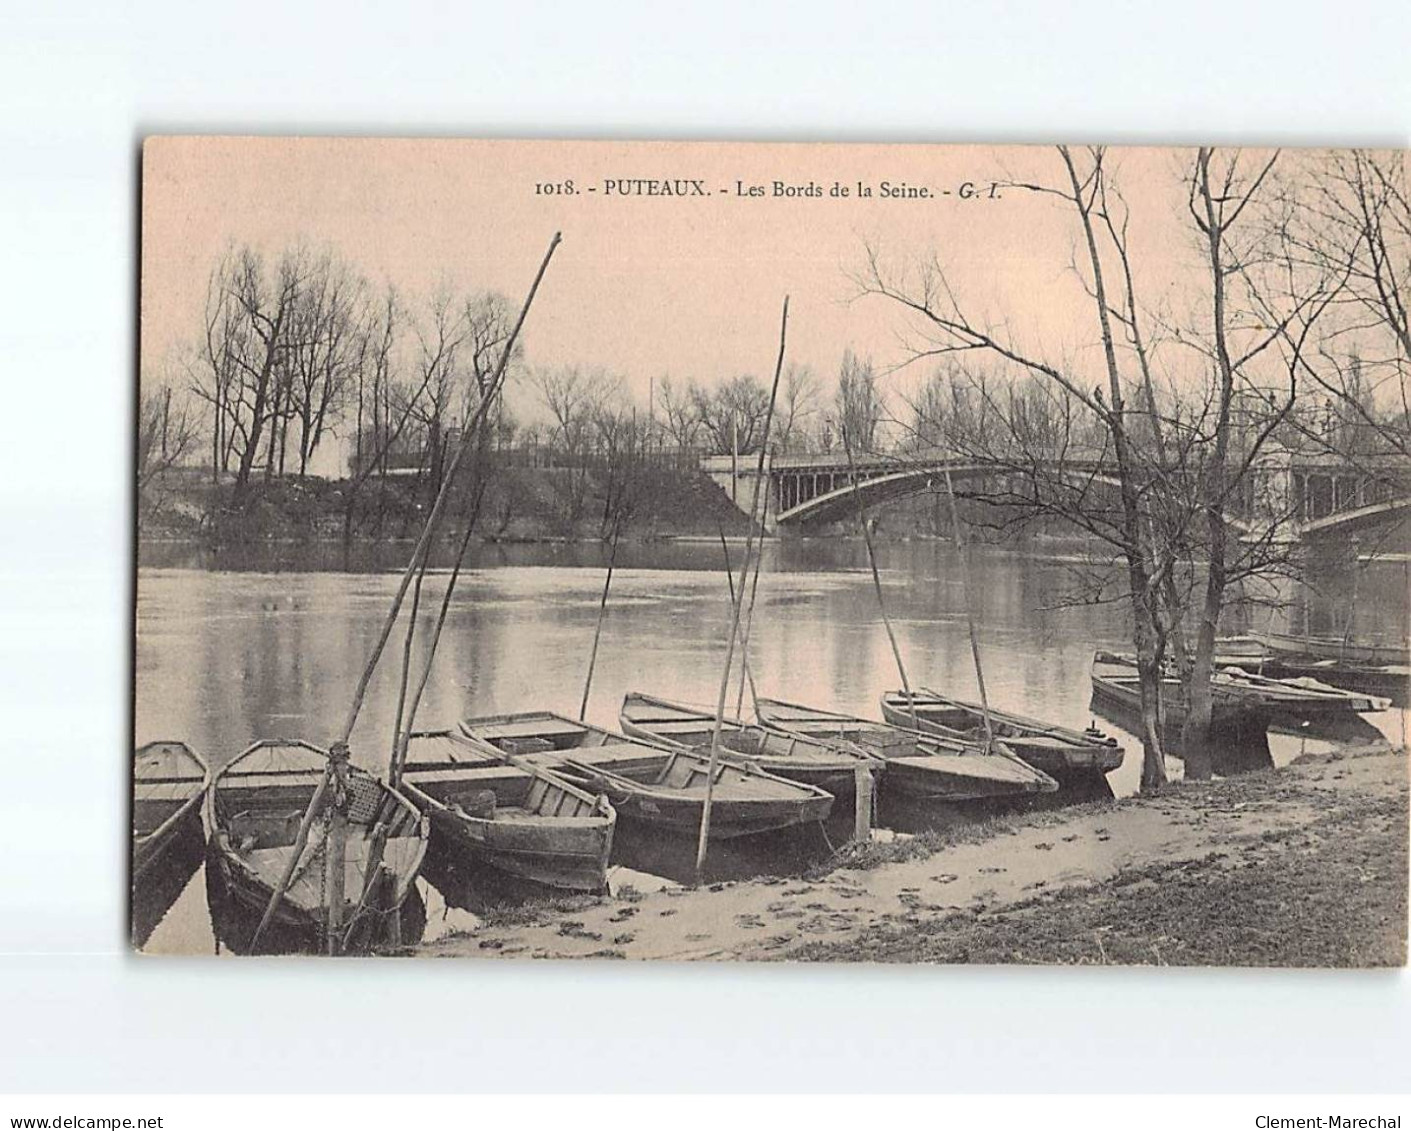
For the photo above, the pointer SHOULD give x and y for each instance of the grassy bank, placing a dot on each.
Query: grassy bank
(1329, 892)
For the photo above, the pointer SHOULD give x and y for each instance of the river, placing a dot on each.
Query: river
(232, 650)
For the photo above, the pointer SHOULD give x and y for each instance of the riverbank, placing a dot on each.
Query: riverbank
(520, 504)
(1304, 866)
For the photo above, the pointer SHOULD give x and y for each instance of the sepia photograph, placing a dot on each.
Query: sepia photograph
(738, 552)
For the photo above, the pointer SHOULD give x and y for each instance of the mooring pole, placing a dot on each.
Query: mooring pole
(598, 630)
(704, 839)
(418, 559)
(877, 579)
(964, 549)
(862, 801)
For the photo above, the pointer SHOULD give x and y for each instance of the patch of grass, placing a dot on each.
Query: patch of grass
(1329, 893)
(538, 911)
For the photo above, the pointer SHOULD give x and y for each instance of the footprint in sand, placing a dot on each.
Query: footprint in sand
(945, 878)
(667, 911)
(994, 871)
(620, 940)
(1044, 847)
(1070, 839)
(750, 922)
(622, 915)
(821, 924)
(697, 936)
(788, 915)
(1105, 836)
(797, 891)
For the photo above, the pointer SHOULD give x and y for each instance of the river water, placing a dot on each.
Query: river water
(229, 650)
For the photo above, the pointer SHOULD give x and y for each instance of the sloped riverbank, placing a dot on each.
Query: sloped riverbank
(1304, 866)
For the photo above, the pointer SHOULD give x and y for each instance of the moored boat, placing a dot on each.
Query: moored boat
(1117, 694)
(253, 813)
(1234, 688)
(919, 766)
(652, 784)
(520, 821)
(1360, 668)
(169, 782)
(830, 766)
(1056, 750)
(1335, 648)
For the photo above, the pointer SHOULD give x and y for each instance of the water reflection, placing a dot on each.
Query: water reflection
(271, 646)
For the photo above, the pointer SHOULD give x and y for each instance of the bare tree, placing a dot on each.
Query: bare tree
(323, 339)
(797, 403)
(858, 404)
(574, 397)
(682, 423)
(167, 434)
(248, 314)
(732, 415)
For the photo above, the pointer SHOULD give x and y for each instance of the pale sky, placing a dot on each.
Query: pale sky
(645, 286)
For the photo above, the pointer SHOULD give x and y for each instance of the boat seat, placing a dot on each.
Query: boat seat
(530, 745)
(268, 829)
(474, 803)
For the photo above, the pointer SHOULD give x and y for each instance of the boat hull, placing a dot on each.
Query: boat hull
(834, 771)
(568, 855)
(650, 783)
(170, 781)
(252, 811)
(918, 766)
(151, 854)
(1325, 648)
(1056, 757)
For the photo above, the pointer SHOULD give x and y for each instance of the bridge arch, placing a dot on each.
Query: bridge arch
(880, 487)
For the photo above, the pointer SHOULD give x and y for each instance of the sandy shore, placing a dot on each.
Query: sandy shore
(1300, 866)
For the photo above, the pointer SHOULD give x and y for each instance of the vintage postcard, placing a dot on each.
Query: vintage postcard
(772, 552)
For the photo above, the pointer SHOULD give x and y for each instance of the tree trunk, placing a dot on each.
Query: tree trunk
(1195, 736)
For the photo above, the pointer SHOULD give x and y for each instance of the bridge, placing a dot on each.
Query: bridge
(1305, 497)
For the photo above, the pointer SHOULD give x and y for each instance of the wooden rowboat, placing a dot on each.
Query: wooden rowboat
(1335, 648)
(169, 782)
(920, 766)
(652, 784)
(829, 766)
(1054, 749)
(1234, 688)
(1117, 693)
(253, 812)
(521, 821)
(1354, 668)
